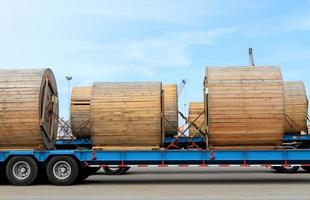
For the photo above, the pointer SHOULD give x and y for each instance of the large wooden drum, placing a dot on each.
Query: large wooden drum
(28, 109)
(170, 94)
(245, 107)
(196, 117)
(296, 107)
(126, 115)
(80, 111)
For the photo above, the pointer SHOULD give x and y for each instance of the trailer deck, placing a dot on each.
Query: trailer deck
(172, 157)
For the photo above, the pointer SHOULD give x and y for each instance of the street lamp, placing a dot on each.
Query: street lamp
(69, 78)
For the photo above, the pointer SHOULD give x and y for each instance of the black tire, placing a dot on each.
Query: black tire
(21, 170)
(306, 168)
(286, 170)
(62, 170)
(3, 178)
(115, 170)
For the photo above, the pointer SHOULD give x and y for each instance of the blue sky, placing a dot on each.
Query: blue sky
(155, 40)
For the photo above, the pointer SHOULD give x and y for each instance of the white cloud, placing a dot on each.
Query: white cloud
(158, 10)
(168, 11)
(93, 59)
(151, 53)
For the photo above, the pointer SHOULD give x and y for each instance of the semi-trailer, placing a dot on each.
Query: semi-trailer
(74, 160)
(244, 116)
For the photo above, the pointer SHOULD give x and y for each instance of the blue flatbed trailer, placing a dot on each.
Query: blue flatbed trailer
(170, 157)
(66, 166)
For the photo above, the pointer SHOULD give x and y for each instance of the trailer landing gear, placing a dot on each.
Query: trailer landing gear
(21, 170)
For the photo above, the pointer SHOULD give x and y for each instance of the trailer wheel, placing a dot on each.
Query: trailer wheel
(286, 170)
(116, 170)
(306, 168)
(21, 170)
(62, 170)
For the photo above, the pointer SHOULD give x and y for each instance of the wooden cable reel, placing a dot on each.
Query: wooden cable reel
(29, 109)
(126, 115)
(170, 93)
(296, 107)
(80, 111)
(196, 110)
(244, 107)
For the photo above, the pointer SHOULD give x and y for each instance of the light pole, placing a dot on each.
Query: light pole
(69, 78)
(251, 57)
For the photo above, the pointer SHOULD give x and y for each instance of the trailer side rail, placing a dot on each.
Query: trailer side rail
(171, 157)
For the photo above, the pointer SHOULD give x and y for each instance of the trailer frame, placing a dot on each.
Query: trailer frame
(171, 157)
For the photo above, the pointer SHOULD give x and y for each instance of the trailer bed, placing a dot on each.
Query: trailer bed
(172, 157)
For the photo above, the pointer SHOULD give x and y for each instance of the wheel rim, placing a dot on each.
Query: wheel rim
(21, 170)
(62, 170)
